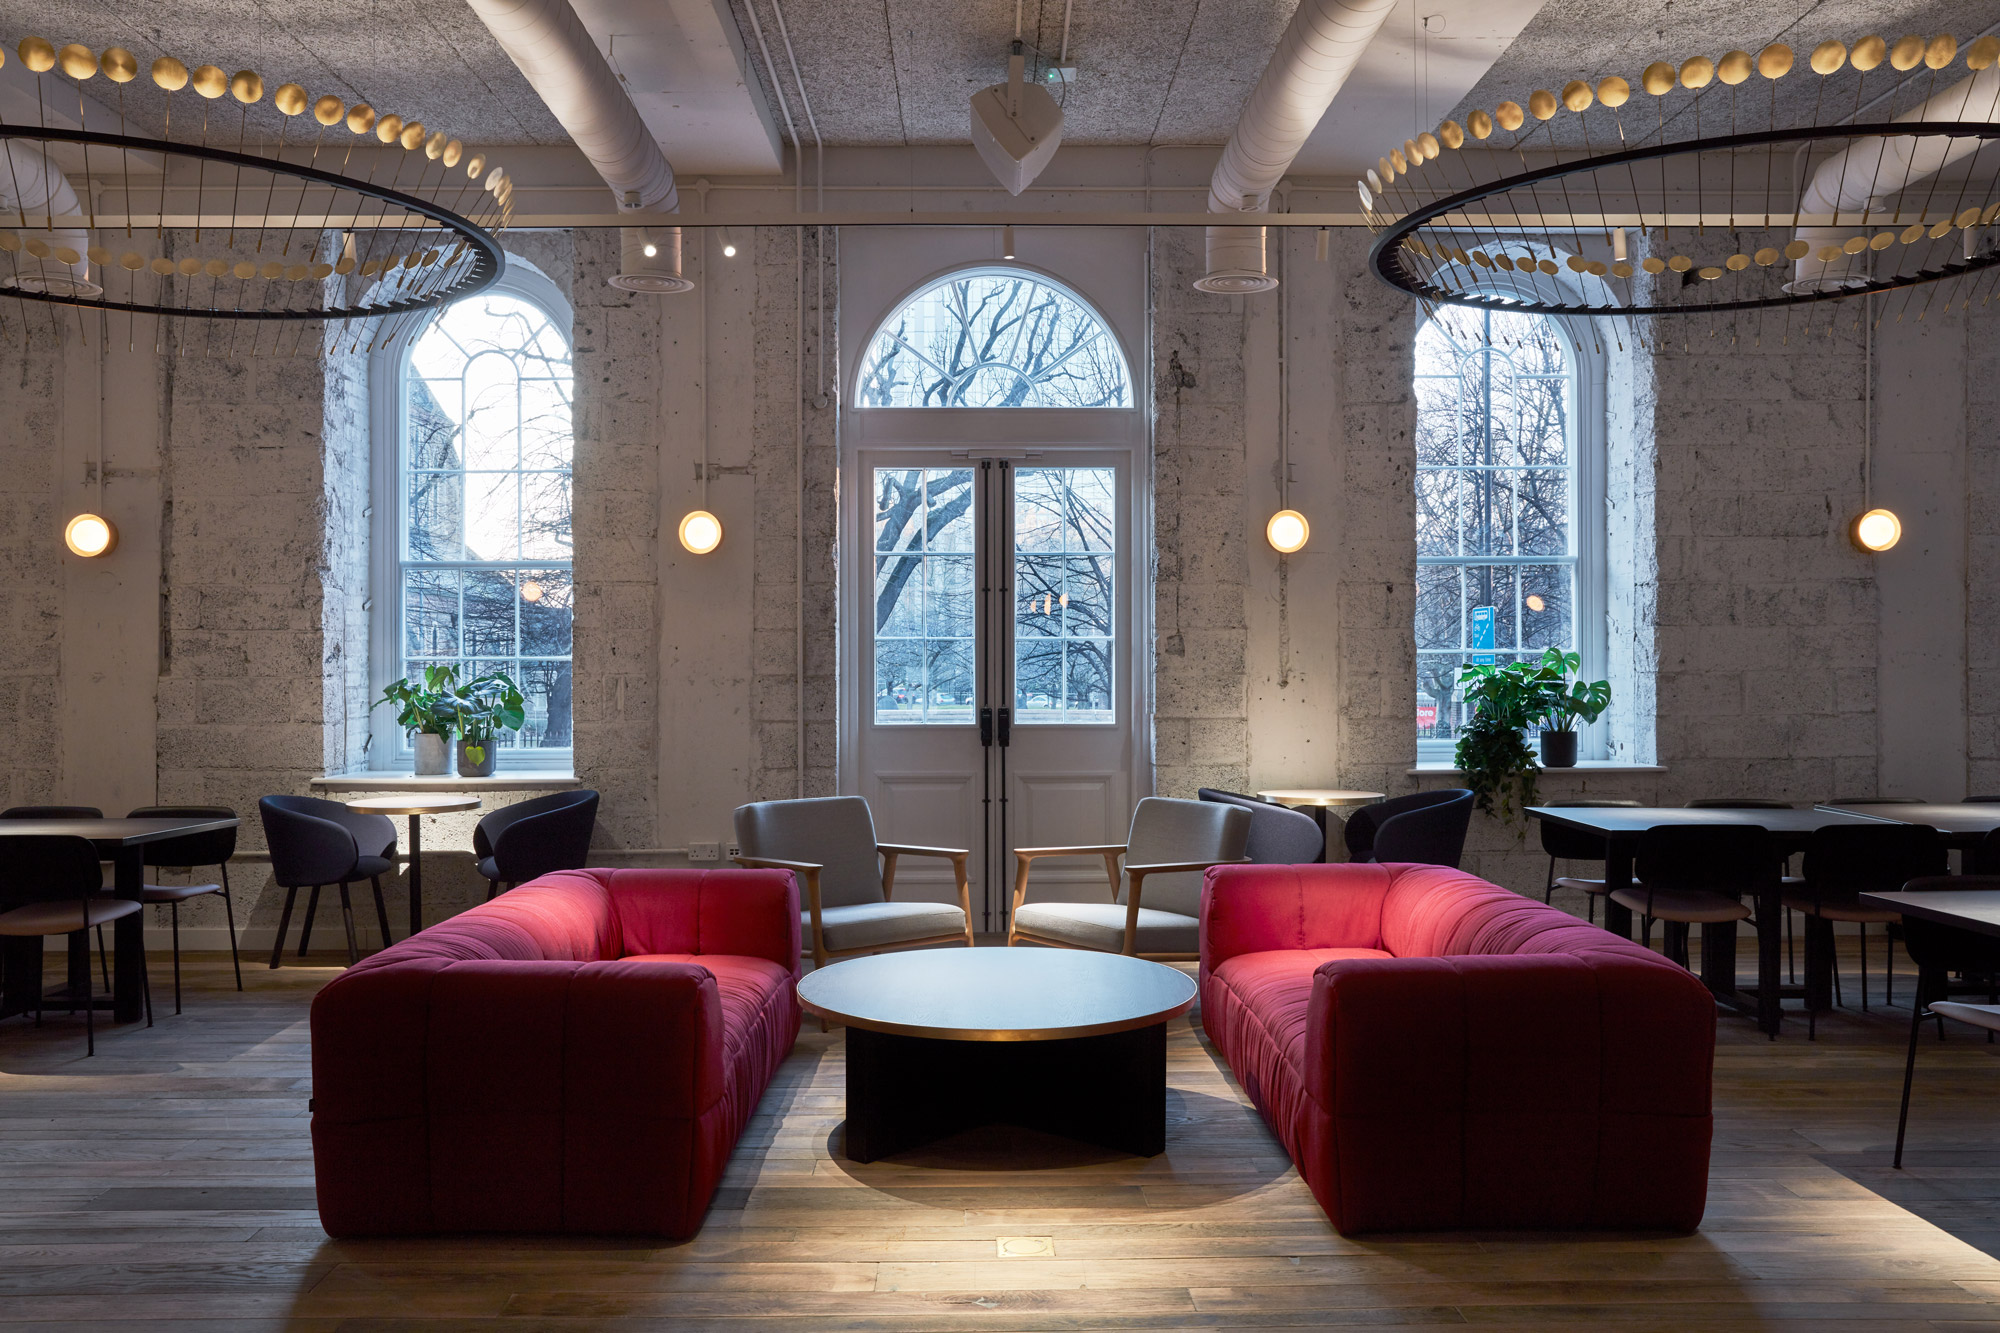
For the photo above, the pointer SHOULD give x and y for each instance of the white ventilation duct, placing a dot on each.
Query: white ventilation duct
(555, 52)
(1854, 181)
(1321, 46)
(34, 193)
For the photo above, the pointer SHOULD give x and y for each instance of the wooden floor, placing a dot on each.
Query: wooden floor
(167, 1183)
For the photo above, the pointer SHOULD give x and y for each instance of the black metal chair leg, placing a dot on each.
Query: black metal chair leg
(1862, 927)
(312, 910)
(381, 911)
(174, 912)
(347, 919)
(1548, 889)
(1791, 954)
(493, 887)
(89, 1010)
(102, 964)
(229, 908)
(1909, 1069)
(284, 924)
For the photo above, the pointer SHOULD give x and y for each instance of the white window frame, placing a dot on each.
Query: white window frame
(1588, 422)
(388, 370)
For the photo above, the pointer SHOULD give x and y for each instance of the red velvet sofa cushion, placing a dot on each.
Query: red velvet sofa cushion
(1437, 1052)
(577, 1055)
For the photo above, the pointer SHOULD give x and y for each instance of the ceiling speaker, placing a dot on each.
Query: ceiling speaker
(1016, 126)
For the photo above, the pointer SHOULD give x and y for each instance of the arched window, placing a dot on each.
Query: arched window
(1508, 522)
(995, 337)
(481, 490)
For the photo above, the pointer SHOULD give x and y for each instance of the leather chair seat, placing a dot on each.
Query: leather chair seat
(175, 893)
(62, 918)
(1102, 926)
(877, 925)
(1841, 908)
(1689, 905)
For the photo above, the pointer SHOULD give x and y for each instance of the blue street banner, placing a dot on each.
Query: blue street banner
(1481, 636)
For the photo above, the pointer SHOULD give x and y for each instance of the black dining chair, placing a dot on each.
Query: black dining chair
(1844, 861)
(68, 812)
(1696, 874)
(315, 843)
(1983, 857)
(1429, 828)
(1784, 862)
(520, 842)
(1279, 835)
(58, 885)
(1938, 951)
(213, 848)
(1564, 843)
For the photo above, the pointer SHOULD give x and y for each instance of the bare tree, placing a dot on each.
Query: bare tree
(994, 340)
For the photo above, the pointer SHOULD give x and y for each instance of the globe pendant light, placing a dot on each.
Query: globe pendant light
(701, 531)
(90, 535)
(1876, 531)
(1287, 531)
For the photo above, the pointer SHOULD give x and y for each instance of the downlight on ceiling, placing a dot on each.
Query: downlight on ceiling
(701, 531)
(649, 261)
(1287, 531)
(1876, 531)
(1016, 126)
(90, 535)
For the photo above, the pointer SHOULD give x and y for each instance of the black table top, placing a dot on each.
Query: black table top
(1969, 909)
(997, 994)
(1956, 818)
(111, 832)
(1615, 820)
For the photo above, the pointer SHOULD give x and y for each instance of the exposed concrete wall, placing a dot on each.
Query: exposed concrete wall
(31, 560)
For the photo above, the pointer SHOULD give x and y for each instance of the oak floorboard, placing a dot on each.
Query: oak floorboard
(167, 1184)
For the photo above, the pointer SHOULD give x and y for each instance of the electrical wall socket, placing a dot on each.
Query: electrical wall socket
(732, 850)
(703, 851)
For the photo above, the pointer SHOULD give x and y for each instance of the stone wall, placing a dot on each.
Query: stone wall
(30, 559)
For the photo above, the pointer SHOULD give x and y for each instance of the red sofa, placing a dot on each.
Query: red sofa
(1436, 1052)
(578, 1055)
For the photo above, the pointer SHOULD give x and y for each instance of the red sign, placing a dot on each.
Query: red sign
(1427, 713)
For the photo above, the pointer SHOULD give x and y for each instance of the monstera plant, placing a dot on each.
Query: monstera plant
(482, 708)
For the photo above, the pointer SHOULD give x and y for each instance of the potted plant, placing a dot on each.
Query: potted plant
(1498, 765)
(1568, 702)
(426, 711)
(481, 708)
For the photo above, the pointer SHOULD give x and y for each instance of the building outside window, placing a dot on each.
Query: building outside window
(1509, 507)
(477, 570)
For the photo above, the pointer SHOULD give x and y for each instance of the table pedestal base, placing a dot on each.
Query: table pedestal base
(906, 1091)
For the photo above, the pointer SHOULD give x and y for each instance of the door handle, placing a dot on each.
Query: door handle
(1006, 727)
(985, 728)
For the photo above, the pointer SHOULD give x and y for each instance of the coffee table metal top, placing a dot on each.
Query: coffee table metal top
(1322, 796)
(997, 994)
(415, 803)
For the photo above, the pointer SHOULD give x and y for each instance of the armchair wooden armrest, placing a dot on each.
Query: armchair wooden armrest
(808, 876)
(957, 856)
(1136, 876)
(1025, 856)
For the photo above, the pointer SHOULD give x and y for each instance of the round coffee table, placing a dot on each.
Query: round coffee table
(1061, 1040)
(416, 805)
(1316, 801)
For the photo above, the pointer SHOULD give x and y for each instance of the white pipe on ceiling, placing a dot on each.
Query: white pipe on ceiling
(556, 54)
(1321, 46)
(1858, 178)
(34, 195)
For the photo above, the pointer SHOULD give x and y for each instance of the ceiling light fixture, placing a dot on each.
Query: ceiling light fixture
(1006, 242)
(1874, 214)
(1873, 530)
(700, 530)
(728, 246)
(649, 262)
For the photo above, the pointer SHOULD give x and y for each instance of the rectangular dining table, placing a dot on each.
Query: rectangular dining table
(122, 842)
(1620, 826)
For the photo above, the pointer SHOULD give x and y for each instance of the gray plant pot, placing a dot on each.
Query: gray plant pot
(1558, 749)
(484, 767)
(433, 755)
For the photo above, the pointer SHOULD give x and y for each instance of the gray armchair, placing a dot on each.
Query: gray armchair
(847, 879)
(1169, 846)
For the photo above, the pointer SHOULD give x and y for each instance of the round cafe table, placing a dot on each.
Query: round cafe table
(416, 805)
(1316, 801)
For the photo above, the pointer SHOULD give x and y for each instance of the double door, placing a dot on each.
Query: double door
(994, 695)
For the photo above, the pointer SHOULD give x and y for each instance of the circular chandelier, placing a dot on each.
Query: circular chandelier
(1741, 183)
(352, 216)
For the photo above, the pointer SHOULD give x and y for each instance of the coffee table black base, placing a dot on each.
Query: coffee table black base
(904, 1091)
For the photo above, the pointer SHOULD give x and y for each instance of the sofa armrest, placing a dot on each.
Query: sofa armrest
(449, 1094)
(751, 912)
(1459, 1077)
(1255, 908)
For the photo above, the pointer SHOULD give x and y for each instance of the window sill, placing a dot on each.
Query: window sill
(513, 780)
(1583, 766)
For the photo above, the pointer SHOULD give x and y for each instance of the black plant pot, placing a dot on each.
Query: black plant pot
(1558, 749)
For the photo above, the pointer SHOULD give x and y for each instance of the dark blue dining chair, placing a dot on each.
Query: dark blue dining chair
(520, 842)
(315, 843)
